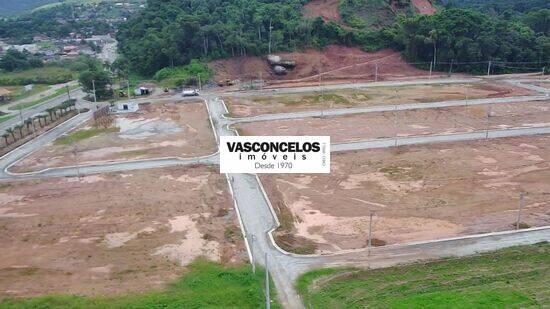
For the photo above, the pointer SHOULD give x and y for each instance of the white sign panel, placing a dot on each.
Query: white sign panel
(275, 154)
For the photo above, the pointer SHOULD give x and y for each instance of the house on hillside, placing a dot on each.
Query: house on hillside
(5, 95)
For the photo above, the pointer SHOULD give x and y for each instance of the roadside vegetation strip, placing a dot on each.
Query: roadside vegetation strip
(80, 135)
(206, 285)
(514, 277)
(57, 93)
(6, 117)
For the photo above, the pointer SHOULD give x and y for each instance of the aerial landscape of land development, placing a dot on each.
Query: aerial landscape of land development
(113, 118)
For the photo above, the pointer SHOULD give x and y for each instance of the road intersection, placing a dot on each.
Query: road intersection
(257, 216)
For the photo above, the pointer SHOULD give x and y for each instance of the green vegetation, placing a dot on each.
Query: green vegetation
(510, 278)
(50, 74)
(373, 13)
(16, 60)
(19, 93)
(56, 93)
(6, 117)
(80, 135)
(206, 285)
(461, 35)
(184, 75)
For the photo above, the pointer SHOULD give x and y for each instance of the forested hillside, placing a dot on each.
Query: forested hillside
(172, 32)
(11, 7)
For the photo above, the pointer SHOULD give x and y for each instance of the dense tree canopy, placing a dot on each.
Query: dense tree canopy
(470, 36)
(15, 60)
(172, 32)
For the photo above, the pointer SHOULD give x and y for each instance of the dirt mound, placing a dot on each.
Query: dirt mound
(326, 9)
(424, 7)
(333, 63)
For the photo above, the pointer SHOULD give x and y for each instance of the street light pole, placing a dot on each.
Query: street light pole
(267, 294)
(521, 195)
(93, 87)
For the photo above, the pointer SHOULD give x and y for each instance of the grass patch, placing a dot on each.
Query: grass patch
(206, 285)
(509, 278)
(82, 135)
(19, 93)
(6, 117)
(56, 93)
(50, 75)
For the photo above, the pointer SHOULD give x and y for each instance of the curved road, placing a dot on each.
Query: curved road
(258, 218)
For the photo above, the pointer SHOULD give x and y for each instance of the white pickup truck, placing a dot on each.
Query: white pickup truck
(190, 92)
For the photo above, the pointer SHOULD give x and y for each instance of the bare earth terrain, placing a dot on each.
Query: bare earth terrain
(406, 123)
(113, 233)
(416, 193)
(156, 130)
(251, 106)
(326, 9)
(336, 64)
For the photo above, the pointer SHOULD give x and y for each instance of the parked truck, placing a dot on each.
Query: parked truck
(190, 92)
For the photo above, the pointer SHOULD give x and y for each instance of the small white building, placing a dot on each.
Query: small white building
(126, 107)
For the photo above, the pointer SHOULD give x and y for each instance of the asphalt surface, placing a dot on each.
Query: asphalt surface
(257, 216)
(40, 108)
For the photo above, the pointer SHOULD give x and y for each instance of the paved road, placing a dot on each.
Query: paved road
(385, 108)
(258, 219)
(37, 109)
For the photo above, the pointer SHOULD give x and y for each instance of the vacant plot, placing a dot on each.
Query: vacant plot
(251, 106)
(156, 130)
(113, 233)
(406, 123)
(509, 278)
(416, 193)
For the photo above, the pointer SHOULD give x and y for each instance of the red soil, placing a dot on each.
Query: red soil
(424, 7)
(334, 63)
(326, 9)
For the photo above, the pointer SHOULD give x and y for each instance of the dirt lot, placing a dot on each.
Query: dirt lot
(412, 122)
(251, 106)
(156, 130)
(417, 193)
(335, 63)
(113, 233)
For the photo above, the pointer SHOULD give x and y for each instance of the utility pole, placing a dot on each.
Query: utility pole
(431, 68)
(488, 122)
(261, 81)
(376, 73)
(68, 92)
(270, 28)
(451, 67)
(252, 253)
(489, 68)
(521, 195)
(200, 84)
(369, 244)
(93, 87)
(128, 88)
(75, 152)
(267, 294)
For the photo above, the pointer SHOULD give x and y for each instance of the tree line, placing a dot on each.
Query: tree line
(173, 32)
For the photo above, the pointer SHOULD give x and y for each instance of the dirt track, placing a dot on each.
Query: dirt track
(417, 193)
(113, 233)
